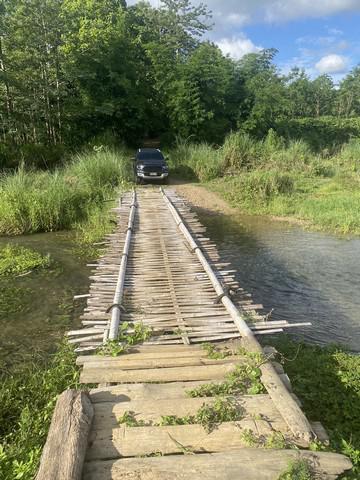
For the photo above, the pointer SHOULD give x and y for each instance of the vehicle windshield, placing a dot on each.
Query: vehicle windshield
(149, 156)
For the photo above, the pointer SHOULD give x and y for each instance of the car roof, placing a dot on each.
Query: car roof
(149, 150)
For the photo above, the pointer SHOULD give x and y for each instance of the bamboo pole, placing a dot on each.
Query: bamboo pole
(116, 309)
(282, 398)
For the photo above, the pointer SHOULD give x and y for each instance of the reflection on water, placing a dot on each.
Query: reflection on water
(35, 309)
(303, 276)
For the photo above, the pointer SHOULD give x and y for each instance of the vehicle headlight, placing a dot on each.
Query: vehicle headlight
(140, 167)
(165, 169)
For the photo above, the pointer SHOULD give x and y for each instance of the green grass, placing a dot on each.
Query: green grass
(33, 201)
(15, 260)
(274, 177)
(329, 204)
(28, 394)
(327, 381)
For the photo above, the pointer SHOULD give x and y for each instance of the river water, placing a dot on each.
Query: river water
(303, 276)
(36, 309)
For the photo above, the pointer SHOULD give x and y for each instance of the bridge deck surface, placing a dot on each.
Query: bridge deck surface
(141, 395)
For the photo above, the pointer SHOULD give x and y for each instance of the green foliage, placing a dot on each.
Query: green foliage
(320, 133)
(129, 334)
(326, 379)
(129, 419)
(209, 415)
(297, 470)
(272, 177)
(42, 201)
(213, 352)
(28, 394)
(15, 260)
(275, 441)
(245, 379)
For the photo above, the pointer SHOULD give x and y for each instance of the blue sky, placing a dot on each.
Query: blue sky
(321, 36)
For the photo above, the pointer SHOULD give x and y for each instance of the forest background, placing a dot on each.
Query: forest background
(75, 70)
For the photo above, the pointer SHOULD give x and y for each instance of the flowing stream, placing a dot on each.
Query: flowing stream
(303, 276)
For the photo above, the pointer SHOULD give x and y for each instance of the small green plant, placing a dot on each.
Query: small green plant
(209, 415)
(175, 420)
(129, 419)
(129, 335)
(249, 438)
(213, 352)
(276, 441)
(298, 470)
(16, 260)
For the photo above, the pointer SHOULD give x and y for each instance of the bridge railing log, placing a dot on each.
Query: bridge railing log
(284, 401)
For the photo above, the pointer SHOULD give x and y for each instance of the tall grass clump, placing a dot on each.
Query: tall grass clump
(349, 156)
(28, 394)
(257, 187)
(192, 160)
(33, 201)
(240, 151)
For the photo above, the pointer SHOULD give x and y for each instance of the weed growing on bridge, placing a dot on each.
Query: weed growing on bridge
(129, 419)
(245, 379)
(16, 260)
(213, 352)
(209, 416)
(129, 335)
(298, 470)
(276, 440)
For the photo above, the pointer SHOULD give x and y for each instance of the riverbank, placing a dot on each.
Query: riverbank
(283, 180)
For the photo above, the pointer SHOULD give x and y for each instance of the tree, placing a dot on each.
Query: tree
(323, 95)
(199, 101)
(349, 94)
(265, 93)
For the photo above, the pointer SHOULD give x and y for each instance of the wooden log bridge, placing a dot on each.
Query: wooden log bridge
(169, 408)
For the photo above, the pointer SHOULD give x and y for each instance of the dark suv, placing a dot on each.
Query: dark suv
(150, 164)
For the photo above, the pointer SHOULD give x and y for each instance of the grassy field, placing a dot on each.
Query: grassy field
(274, 177)
(45, 201)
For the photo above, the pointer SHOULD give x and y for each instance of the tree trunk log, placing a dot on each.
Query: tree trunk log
(66, 444)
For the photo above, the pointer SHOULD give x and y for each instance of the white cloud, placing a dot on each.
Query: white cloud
(280, 10)
(237, 47)
(230, 12)
(332, 64)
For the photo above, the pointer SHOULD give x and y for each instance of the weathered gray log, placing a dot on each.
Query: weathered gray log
(66, 444)
(245, 464)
